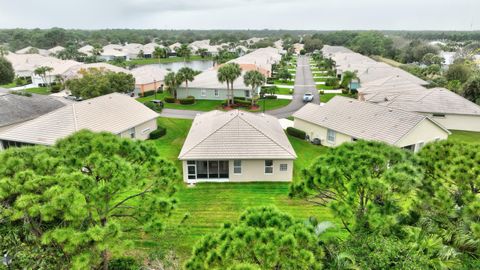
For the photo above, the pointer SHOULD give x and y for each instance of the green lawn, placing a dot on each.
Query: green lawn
(210, 205)
(39, 90)
(320, 79)
(8, 85)
(280, 82)
(283, 91)
(465, 136)
(324, 87)
(208, 105)
(148, 61)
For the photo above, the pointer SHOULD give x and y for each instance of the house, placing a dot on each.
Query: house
(16, 109)
(444, 106)
(132, 50)
(112, 51)
(206, 84)
(148, 78)
(115, 113)
(149, 48)
(33, 50)
(345, 120)
(24, 66)
(236, 146)
(87, 50)
(55, 50)
(73, 72)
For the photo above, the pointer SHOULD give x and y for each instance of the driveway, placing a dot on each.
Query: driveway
(303, 83)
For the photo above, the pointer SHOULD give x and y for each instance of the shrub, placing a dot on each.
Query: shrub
(158, 133)
(192, 97)
(20, 81)
(186, 101)
(55, 88)
(270, 97)
(169, 100)
(124, 263)
(296, 133)
(243, 103)
(148, 93)
(331, 82)
(153, 106)
(321, 92)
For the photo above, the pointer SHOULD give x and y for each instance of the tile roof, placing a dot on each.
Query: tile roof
(362, 120)
(114, 113)
(236, 135)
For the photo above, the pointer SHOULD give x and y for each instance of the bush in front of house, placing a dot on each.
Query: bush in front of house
(270, 97)
(296, 133)
(157, 133)
(321, 92)
(169, 99)
(153, 106)
(20, 81)
(243, 102)
(186, 101)
(55, 88)
(331, 82)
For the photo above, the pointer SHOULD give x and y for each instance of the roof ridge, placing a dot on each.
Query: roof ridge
(75, 126)
(293, 154)
(208, 136)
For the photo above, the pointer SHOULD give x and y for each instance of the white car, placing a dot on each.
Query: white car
(307, 97)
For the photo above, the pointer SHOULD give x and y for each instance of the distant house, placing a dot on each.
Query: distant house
(346, 120)
(87, 50)
(115, 113)
(16, 109)
(451, 110)
(55, 50)
(236, 146)
(148, 78)
(149, 48)
(33, 50)
(112, 51)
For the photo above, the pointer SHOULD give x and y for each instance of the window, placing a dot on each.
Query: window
(237, 167)
(419, 146)
(204, 93)
(283, 167)
(215, 93)
(145, 130)
(268, 166)
(331, 136)
(132, 133)
(247, 93)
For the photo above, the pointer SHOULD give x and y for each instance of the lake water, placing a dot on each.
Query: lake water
(195, 65)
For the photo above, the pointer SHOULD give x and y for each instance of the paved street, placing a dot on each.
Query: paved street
(303, 83)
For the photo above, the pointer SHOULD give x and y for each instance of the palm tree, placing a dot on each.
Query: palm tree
(185, 52)
(159, 52)
(171, 83)
(228, 73)
(186, 74)
(42, 72)
(255, 79)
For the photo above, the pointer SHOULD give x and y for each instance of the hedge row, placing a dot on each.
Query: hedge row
(186, 101)
(270, 97)
(158, 133)
(296, 133)
(169, 100)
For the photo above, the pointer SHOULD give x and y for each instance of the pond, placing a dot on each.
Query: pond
(195, 65)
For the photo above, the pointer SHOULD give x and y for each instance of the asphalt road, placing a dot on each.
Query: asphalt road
(303, 83)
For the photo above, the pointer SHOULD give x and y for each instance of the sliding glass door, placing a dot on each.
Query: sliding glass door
(211, 169)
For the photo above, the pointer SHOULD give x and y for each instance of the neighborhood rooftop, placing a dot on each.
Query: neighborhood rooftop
(16, 108)
(236, 135)
(361, 120)
(114, 113)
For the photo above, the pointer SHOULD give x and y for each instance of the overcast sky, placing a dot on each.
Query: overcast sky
(243, 14)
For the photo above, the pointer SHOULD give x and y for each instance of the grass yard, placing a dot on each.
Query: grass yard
(208, 105)
(465, 136)
(324, 87)
(205, 207)
(39, 90)
(148, 61)
(283, 91)
(320, 79)
(280, 82)
(8, 85)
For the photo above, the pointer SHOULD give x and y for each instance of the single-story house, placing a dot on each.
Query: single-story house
(345, 120)
(149, 48)
(55, 50)
(148, 78)
(115, 113)
(236, 146)
(16, 109)
(73, 72)
(451, 110)
(87, 50)
(33, 50)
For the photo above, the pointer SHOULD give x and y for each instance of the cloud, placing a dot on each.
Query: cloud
(242, 14)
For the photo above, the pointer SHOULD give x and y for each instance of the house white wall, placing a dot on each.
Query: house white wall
(459, 122)
(142, 131)
(316, 131)
(425, 132)
(253, 170)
